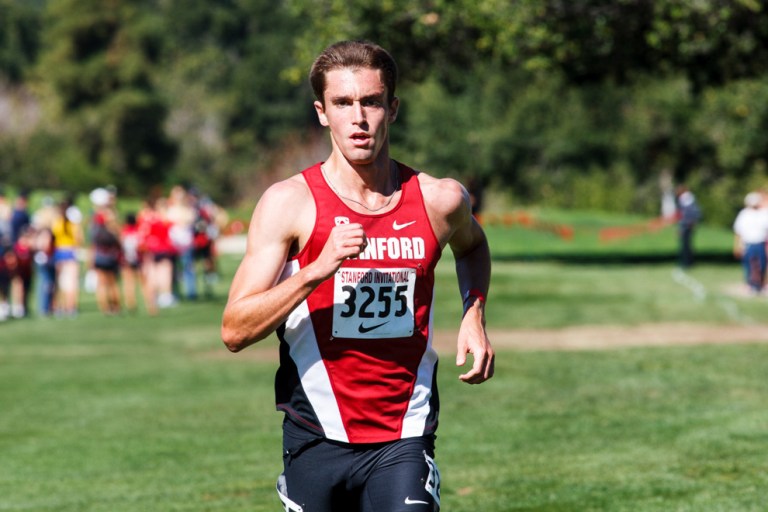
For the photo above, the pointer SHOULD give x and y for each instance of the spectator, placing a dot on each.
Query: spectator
(45, 269)
(208, 222)
(44, 250)
(107, 251)
(750, 235)
(5, 220)
(46, 214)
(6, 256)
(160, 253)
(104, 203)
(21, 272)
(67, 232)
(5, 282)
(131, 270)
(181, 215)
(689, 215)
(20, 218)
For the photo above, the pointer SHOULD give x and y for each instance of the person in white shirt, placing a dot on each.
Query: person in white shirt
(751, 233)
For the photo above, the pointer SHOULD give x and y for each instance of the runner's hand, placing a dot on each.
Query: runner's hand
(474, 340)
(345, 241)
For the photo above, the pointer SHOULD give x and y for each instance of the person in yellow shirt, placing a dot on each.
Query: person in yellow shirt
(68, 239)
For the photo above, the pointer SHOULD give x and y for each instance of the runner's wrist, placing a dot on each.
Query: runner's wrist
(314, 275)
(472, 297)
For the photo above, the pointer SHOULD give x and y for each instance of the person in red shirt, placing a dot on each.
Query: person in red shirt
(159, 254)
(21, 275)
(340, 264)
(132, 274)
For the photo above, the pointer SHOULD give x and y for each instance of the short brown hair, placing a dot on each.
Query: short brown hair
(353, 54)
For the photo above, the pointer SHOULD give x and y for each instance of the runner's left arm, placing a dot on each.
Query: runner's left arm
(473, 268)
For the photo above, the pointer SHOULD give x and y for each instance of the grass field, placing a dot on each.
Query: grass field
(153, 414)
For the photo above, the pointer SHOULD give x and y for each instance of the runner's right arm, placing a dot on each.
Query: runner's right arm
(281, 223)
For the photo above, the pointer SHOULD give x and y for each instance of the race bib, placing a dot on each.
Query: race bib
(373, 302)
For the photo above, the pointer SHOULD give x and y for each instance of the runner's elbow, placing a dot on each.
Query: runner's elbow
(233, 339)
(237, 339)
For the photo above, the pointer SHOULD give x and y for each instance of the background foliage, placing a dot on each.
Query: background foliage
(585, 104)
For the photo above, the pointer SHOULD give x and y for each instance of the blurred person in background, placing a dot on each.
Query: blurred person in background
(44, 216)
(5, 283)
(105, 250)
(105, 260)
(21, 275)
(6, 211)
(19, 257)
(6, 256)
(44, 249)
(68, 239)
(209, 220)
(160, 253)
(21, 271)
(103, 203)
(181, 215)
(131, 271)
(45, 269)
(750, 236)
(688, 217)
(20, 217)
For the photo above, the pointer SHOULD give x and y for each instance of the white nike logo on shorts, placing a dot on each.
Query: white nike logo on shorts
(398, 227)
(409, 501)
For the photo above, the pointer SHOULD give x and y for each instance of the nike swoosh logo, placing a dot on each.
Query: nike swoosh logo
(398, 227)
(409, 501)
(362, 329)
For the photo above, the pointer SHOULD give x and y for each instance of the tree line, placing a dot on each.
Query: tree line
(587, 103)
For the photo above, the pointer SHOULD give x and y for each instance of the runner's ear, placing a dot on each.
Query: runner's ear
(393, 108)
(320, 109)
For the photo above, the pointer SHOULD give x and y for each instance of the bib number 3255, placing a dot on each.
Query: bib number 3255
(373, 302)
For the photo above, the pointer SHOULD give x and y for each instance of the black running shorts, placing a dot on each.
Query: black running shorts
(326, 476)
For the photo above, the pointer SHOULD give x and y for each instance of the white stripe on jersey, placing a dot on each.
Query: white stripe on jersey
(418, 406)
(309, 363)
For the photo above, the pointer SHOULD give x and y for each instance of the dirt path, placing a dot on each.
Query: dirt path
(607, 337)
(590, 337)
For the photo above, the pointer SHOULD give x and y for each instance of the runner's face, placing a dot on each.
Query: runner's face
(357, 113)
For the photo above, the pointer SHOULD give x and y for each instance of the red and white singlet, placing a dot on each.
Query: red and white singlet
(356, 357)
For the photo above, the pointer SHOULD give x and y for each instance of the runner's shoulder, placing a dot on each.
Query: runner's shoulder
(283, 207)
(291, 189)
(446, 195)
(284, 196)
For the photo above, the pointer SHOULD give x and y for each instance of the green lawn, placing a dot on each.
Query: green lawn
(153, 414)
(595, 237)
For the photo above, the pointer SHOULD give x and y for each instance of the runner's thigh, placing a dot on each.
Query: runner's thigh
(315, 476)
(406, 480)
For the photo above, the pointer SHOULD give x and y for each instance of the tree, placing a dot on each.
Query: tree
(100, 57)
(19, 39)
(539, 96)
(587, 40)
(224, 73)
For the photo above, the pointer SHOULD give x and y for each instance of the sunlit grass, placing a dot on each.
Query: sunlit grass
(134, 413)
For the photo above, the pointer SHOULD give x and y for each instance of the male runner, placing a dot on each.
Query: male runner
(340, 262)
